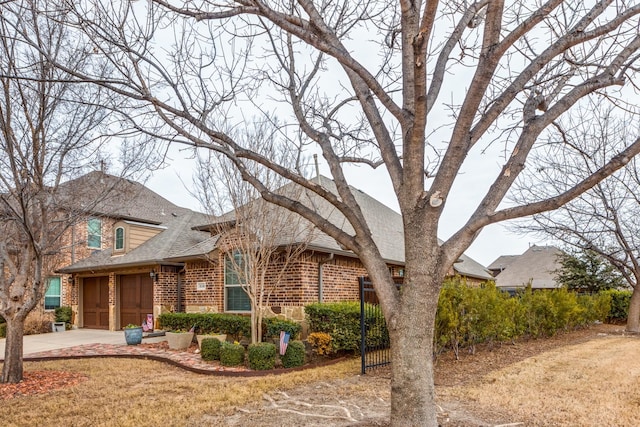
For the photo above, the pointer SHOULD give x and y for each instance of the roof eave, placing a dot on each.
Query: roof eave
(146, 263)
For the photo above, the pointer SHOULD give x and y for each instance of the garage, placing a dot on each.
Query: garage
(95, 302)
(136, 298)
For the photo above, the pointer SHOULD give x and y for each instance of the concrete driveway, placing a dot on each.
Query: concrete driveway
(72, 338)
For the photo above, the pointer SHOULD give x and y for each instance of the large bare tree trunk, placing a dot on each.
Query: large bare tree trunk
(12, 368)
(412, 331)
(633, 316)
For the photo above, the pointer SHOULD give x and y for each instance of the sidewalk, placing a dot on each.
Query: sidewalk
(58, 340)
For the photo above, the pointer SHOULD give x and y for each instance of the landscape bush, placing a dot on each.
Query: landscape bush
(342, 321)
(468, 316)
(237, 326)
(619, 304)
(210, 349)
(231, 354)
(271, 327)
(208, 323)
(294, 356)
(63, 314)
(262, 356)
(37, 323)
(3, 330)
(320, 343)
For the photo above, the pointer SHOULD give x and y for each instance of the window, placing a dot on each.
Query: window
(52, 298)
(236, 299)
(119, 243)
(94, 233)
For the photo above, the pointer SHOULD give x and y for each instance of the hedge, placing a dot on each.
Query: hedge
(619, 304)
(208, 323)
(271, 327)
(468, 316)
(342, 321)
(237, 326)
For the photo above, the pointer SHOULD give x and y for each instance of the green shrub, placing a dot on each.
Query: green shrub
(262, 356)
(271, 327)
(377, 332)
(231, 354)
(210, 349)
(294, 356)
(236, 326)
(3, 330)
(468, 316)
(342, 321)
(63, 314)
(619, 304)
(596, 307)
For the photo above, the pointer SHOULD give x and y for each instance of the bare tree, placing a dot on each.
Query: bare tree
(261, 241)
(604, 219)
(48, 134)
(416, 86)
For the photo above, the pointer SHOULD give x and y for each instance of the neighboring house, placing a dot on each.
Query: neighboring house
(535, 267)
(155, 257)
(501, 263)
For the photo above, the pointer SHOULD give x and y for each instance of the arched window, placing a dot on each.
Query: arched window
(119, 243)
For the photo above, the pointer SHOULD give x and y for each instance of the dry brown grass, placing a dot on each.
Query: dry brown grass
(130, 392)
(585, 378)
(589, 384)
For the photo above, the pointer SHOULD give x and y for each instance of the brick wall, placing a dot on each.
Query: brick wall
(211, 276)
(297, 287)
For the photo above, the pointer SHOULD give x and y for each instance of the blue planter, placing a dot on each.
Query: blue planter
(133, 336)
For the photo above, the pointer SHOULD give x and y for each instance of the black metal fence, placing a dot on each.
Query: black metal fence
(374, 337)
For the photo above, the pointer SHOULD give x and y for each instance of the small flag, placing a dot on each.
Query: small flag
(284, 342)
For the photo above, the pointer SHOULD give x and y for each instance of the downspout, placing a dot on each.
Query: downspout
(321, 263)
(73, 244)
(179, 290)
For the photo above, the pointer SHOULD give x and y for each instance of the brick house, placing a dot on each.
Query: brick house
(156, 257)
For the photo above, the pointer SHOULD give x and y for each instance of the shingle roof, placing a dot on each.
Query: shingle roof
(384, 223)
(536, 266)
(184, 239)
(178, 237)
(502, 262)
(101, 194)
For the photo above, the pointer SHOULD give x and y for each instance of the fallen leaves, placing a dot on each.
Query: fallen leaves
(39, 382)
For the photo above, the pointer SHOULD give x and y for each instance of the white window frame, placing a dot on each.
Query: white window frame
(115, 239)
(58, 295)
(234, 285)
(90, 234)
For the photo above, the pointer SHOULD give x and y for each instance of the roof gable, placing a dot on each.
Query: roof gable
(536, 266)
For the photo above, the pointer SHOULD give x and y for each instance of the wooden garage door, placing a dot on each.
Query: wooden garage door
(136, 298)
(95, 302)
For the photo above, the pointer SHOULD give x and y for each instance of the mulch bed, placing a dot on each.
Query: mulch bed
(39, 382)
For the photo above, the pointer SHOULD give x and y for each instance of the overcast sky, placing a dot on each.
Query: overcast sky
(174, 182)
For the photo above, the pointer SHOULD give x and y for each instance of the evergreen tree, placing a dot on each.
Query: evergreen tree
(587, 272)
